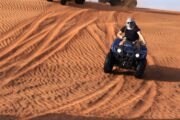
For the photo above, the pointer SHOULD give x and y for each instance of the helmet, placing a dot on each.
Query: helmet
(130, 23)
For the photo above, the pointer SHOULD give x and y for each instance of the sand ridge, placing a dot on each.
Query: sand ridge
(52, 63)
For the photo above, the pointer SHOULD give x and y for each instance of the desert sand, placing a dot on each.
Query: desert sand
(52, 56)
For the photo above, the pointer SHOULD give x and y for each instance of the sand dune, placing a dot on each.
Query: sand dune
(52, 56)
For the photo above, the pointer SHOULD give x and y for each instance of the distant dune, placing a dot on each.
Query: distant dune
(52, 56)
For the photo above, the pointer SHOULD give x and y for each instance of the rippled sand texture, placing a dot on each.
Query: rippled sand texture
(52, 56)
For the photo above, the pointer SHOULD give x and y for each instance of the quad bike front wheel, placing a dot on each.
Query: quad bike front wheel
(109, 63)
(140, 68)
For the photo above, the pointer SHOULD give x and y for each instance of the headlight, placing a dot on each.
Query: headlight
(119, 50)
(137, 55)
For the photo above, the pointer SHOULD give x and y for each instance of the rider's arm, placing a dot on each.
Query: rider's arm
(121, 37)
(121, 31)
(119, 34)
(141, 37)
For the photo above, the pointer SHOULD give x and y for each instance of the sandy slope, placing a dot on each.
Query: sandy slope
(52, 61)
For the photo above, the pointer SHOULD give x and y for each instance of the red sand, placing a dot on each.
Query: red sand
(51, 63)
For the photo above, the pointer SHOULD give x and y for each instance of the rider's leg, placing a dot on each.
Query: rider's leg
(138, 45)
(122, 42)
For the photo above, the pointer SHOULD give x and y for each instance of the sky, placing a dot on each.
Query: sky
(173, 5)
(160, 4)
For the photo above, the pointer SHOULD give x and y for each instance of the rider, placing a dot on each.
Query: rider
(132, 34)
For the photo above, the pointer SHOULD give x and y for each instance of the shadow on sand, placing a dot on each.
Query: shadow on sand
(56, 116)
(157, 73)
(161, 73)
(8, 117)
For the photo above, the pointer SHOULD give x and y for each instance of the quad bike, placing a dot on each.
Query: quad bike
(112, 2)
(63, 2)
(126, 57)
(127, 3)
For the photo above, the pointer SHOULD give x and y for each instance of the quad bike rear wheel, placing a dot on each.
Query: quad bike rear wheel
(63, 2)
(114, 2)
(79, 1)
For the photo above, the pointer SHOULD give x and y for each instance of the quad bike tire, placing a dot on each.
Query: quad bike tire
(79, 1)
(109, 63)
(114, 2)
(140, 69)
(63, 2)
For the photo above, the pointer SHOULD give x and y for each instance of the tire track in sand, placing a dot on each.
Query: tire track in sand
(110, 90)
(19, 49)
(55, 91)
(134, 99)
(106, 98)
(145, 103)
(85, 98)
(34, 26)
(25, 66)
(89, 97)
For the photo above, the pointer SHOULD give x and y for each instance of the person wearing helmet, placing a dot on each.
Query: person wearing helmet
(132, 34)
